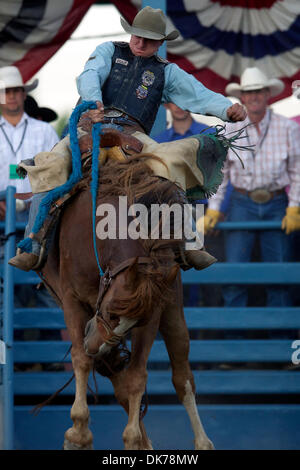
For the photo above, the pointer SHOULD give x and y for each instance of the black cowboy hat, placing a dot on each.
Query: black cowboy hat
(33, 110)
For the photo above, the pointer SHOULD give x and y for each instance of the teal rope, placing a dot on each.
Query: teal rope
(76, 175)
(56, 193)
(94, 184)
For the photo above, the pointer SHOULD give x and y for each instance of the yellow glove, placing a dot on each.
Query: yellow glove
(291, 221)
(208, 222)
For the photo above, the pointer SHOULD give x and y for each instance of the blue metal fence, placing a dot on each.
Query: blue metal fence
(280, 420)
(8, 329)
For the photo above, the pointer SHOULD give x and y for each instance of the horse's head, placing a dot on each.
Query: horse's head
(127, 298)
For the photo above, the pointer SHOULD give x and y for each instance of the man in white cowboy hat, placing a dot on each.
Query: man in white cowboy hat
(21, 136)
(260, 188)
(129, 81)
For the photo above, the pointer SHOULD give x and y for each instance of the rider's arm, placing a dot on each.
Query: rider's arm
(96, 71)
(188, 93)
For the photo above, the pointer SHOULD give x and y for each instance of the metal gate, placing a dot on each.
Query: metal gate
(232, 415)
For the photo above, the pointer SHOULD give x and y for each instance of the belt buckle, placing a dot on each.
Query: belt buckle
(112, 113)
(260, 195)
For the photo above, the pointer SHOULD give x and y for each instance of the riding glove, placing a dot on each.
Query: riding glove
(291, 221)
(209, 221)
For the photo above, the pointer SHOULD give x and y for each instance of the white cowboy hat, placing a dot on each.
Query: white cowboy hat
(254, 79)
(10, 77)
(150, 23)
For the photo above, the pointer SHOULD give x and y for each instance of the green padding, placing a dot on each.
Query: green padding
(211, 156)
(13, 175)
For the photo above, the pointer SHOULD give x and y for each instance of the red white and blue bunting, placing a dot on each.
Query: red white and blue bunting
(31, 32)
(218, 38)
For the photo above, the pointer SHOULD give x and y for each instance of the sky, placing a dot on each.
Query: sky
(57, 87)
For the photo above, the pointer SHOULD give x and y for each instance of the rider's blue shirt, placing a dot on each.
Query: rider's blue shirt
(180, 87)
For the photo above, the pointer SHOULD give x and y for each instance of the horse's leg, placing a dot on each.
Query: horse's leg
(130, 385)
(175, 333)
(78, 437)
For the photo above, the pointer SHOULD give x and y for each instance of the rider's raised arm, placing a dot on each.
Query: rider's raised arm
(95, 72)
(188, 93)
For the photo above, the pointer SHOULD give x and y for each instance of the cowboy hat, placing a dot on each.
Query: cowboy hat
(33, 110)
(254, 79)
(10, 77)
(150, 23)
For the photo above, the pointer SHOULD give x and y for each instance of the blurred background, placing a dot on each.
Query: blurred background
(218, 39)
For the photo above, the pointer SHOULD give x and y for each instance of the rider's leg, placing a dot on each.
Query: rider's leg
(34, 208)
(27, 261)
(195, 254)
(174, 168)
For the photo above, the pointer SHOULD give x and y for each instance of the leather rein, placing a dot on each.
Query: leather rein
(110, 337)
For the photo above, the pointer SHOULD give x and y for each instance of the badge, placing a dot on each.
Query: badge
(13, 175)
(148, 78)
(141, 92)
(121, 61)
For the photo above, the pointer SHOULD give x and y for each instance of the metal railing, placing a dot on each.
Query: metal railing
(8, 329)
(11, 226)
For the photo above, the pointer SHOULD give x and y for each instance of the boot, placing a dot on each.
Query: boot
(24, 261)
(198, 259)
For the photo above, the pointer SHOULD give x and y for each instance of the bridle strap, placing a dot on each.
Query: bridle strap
(110, 337)
(130, 261)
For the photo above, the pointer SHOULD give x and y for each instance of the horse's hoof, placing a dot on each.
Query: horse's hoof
(68, 445)
(207, 445)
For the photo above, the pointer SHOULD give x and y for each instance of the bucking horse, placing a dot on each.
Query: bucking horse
(109, 287)
(140, 291)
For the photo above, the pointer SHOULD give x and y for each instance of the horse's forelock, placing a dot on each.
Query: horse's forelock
(148, 287)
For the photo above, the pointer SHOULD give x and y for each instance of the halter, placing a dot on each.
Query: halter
(110, 337)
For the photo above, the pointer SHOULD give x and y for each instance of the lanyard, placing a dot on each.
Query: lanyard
(9, 142)
(254, 152)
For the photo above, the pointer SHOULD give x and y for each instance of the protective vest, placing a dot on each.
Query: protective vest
(135, 85)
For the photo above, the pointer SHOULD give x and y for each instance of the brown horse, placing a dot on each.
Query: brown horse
(141, 292)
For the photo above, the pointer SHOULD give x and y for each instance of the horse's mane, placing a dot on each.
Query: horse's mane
(148, 285)
(136, 180)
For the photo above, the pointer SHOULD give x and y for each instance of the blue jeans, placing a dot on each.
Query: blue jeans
(42, 297)
(275, 245)
(33, 211)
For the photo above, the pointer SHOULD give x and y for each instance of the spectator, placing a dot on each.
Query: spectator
(21, 137)
(295, 236)
(260, 189)
(183, 125)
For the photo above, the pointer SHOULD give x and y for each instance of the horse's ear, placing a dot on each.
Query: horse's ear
(172, 274)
